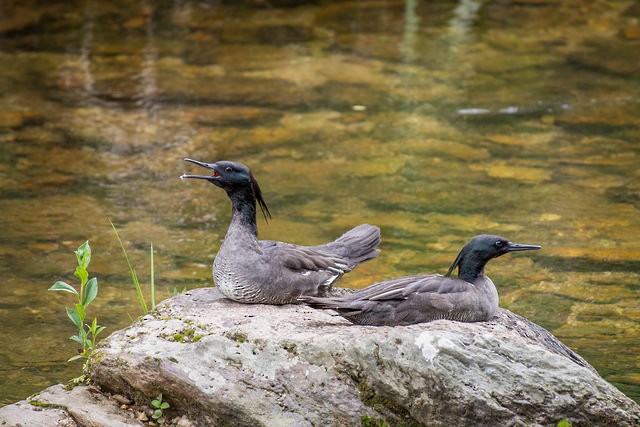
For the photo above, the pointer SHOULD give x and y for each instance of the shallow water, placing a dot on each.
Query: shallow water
(434, 121)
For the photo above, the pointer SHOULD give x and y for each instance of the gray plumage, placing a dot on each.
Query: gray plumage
(269, 272)
(471, 297)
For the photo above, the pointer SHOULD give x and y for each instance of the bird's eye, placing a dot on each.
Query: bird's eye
(229, 169)
(499, 243)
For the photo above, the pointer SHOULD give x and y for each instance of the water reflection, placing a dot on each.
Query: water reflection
(85, 53)
(461, 24)
(411, 27)
(475, 117)
(147, 77)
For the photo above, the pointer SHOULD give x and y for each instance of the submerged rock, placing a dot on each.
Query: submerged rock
(218, 362)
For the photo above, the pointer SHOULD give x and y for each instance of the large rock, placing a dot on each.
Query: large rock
(220, 362)
(61, 406)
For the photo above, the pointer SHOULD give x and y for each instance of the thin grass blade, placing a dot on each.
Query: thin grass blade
(152, 282)
(134, 276)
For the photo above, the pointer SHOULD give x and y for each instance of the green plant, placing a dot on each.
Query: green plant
(367, 421)
(87, 333)
(176, 291)
(152, 282)
(159, 406)
(134, 276)
(564, 423)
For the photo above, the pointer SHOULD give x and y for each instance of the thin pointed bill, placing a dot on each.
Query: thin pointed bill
(199, 163)
(513, 247)
(211, 166)
(196, 176)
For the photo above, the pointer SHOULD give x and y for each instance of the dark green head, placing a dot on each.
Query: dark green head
(480, 250)
(233, 177)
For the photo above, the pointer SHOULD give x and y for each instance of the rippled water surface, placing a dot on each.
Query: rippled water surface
(434, 120)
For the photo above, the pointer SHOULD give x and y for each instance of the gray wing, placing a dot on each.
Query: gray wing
(301, 258)
(405, 287)
(356, 246)
(402, 301)
(289, 270)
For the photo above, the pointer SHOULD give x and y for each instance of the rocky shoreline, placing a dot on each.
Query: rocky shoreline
(217, 362)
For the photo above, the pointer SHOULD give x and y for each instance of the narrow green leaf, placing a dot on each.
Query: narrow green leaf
(77, 339)
(152, 281)
(62, 286)
(73, 315)
(90, 291)
(76, 357)
(100, 329)
(132, 272)
(82, 274)
(83, 254)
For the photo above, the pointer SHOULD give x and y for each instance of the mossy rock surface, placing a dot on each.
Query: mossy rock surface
(292, 365)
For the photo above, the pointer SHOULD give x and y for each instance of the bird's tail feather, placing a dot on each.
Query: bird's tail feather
(319, 302)
(342, 307)
(358, 244)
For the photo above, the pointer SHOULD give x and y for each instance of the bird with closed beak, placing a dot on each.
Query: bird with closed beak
(469, 297)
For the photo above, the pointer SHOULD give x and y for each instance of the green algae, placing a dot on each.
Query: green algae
(237, 336)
